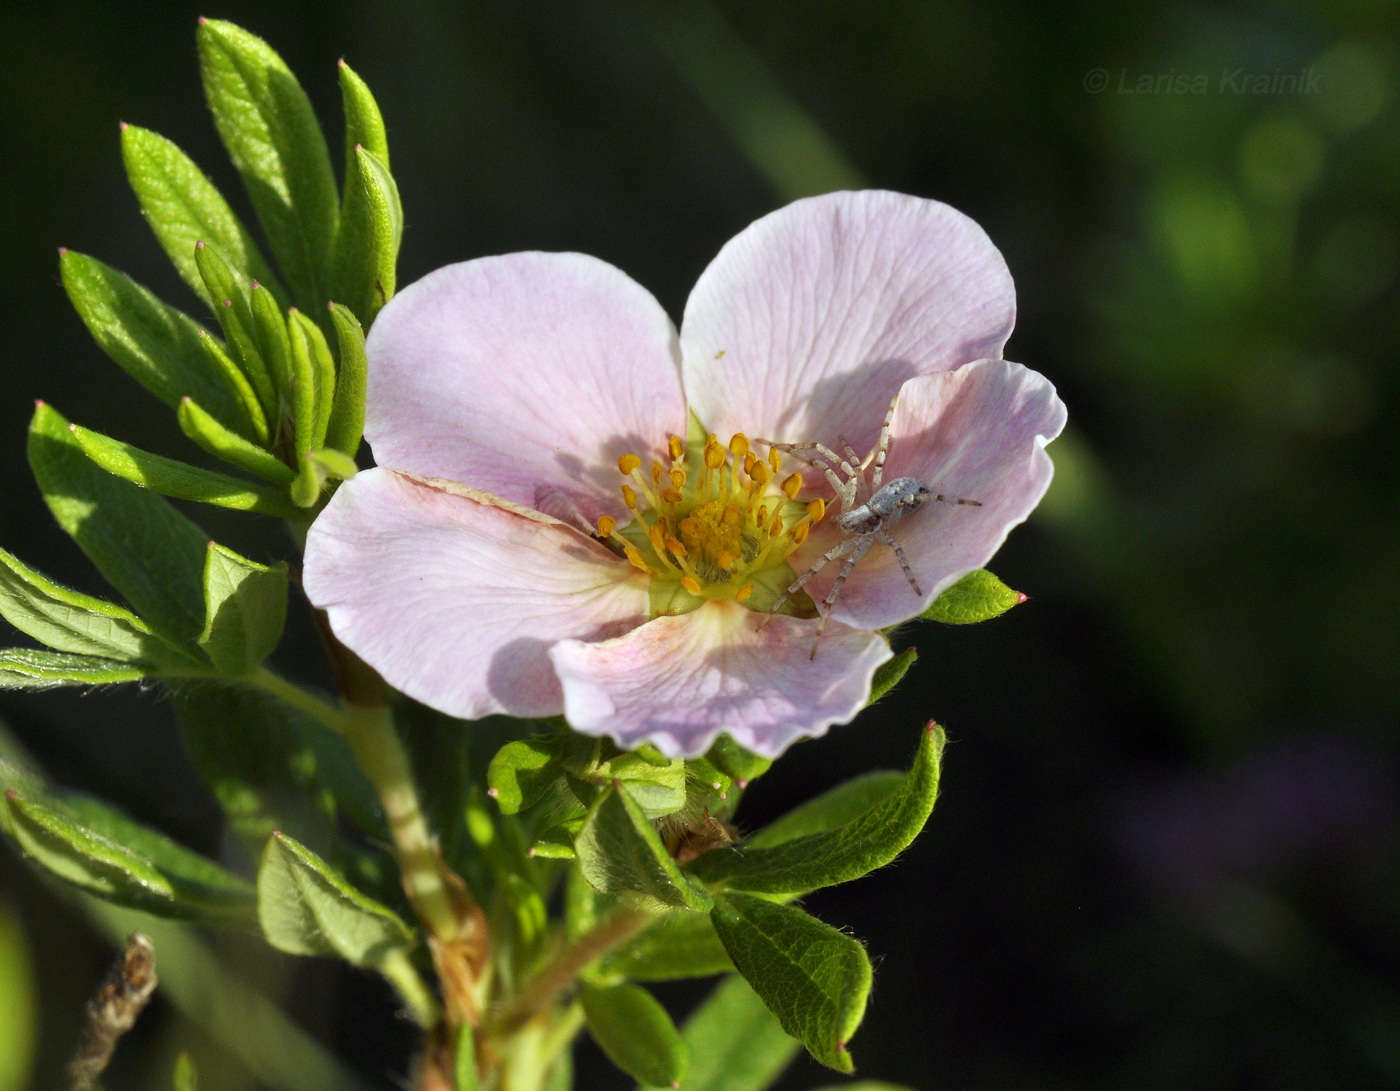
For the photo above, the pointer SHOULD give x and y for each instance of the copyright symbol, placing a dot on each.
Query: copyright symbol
(1095, 80)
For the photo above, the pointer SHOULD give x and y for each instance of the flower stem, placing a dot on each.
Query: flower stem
(537, 997)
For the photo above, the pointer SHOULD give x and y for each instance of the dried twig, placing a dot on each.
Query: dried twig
(113, 1010)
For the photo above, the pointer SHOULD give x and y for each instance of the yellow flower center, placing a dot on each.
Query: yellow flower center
(714, 523)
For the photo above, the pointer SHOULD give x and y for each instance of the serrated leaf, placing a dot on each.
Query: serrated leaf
(69, 621)
(272, 767)
(347, 422)
(228, 445)
(825, 858)
(522, 772)
(633, 1029)
(678, 945)
(736, 1043)
(184, 207)
(245, 607)
(147, 550)
(305, 908)
(815, 979)
(271, 133)
(25, 668)
(978, 596)
(88, 844)
(155, 344)
(619, 851)
(233, 307)
(740, 765)
(890, 673)
(831, 810)
(186, 1076)
(180, 480)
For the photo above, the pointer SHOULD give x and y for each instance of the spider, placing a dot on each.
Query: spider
(868, 510)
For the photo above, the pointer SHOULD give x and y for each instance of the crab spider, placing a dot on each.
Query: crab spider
(869, 510)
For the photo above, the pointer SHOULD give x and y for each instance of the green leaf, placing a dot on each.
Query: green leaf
(347, 422)
(871, 840)
(186, 1077)
(155, 344)
(735, 1042)
(619, 851)
(633, 1029)
(364, 125)
(69, 621)
(658, 789)
(24, 668)
(113, 858)
(234, 309)
(272, 767)
(184, 207)
(464, 1077)
(147, 550)
(228, 445)
(371, 230)
(815, 979)
(978, 596)
(19, 1028)
(271, 133)
(180, 480)
(313, 381)
(557, 842)
(888, 675)
(305, 908)
(252, 419)
(245, 607)
(831, 810)
(270, 331)
(678, 945)
(734, 761)
(522, 772)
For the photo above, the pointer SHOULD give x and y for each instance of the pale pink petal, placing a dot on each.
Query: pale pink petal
(456, 602)
(977, 433)
(810, 319)
(677, 682)
(526, 376)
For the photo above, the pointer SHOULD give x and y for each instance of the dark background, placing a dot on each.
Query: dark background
(1165, 856)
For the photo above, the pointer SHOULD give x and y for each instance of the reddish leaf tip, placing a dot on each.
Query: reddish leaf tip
(72, 428)
(741, 784)
(256, 285)
(494, 793)
(62, 250)
(199, 244)
(203, 19)
(340, 63)
(293, 310)
(228, 303)
(1021, 597)
(185, 399)
(210, 544)
(840, 1047)
(530, 852)
(10, 793)
(39, 403)
(931, 726)
(122, 126)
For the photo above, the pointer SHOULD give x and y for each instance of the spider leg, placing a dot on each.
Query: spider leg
(862, 548)
(951, 499)
(839, 550)
(882, 448)
(844, 489)
(893, 542)
(862, 494)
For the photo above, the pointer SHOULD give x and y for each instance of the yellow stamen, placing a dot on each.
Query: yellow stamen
(761, 474)
(743, 592)
(775, 459)
(792, 486)
(816, 509)
(629, 496)
(776, 526)
(749, 459)
(714, 454)
(628, 463)
(730, 516)
(678, 477)
(799, 532)
(636, 558)
(606, 525)
(671, 496)
(655, 472)
(726, 560)
(691, 584)
(739, 445)
(676, 547)
(676, 447)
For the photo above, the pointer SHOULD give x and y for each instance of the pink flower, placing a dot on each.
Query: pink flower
(573, 511)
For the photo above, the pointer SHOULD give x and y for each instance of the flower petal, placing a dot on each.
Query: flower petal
(677, 682)
(978, 433)
(455, 601)
(810, 319)
(524, 375)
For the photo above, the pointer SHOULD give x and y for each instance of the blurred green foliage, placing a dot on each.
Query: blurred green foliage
(1165, 854)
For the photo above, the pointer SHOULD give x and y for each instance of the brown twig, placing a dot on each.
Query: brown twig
(113, 1010)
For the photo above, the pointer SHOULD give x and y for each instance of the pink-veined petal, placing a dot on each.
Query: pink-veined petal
(978, 433)
(526, 376)
(456, 602)
(677, 682)
(810, 319)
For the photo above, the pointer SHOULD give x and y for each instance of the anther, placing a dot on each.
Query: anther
(678, 477)
(760, 473)
(726, 560)
(627, 464)
(799, 532)
(714, 454)
(629, 496)
(776, 526)
(749, 460)
(606, 525)
(743, 592)
(655, 472)
(676, 447)
(775, 459)
(631, 553)
(739, 445)
(792, 486)
(691, 584)
(671, 496)
(816, 509)
(676, 547)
